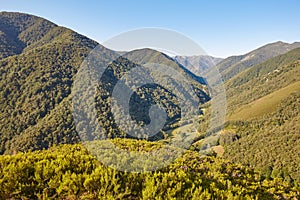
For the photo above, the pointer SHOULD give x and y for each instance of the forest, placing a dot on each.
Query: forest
(43, 154)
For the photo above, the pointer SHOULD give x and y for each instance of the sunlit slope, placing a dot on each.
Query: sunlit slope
(266, 104)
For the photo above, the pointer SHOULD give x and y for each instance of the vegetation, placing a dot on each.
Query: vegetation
(263, 79)
(70, 172)
(263, 121)
(38, 65)
(36, 82)
(262, 125)
(266, 104)
(269, 142)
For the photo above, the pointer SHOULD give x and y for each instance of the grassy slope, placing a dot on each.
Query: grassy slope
(263, 117)
(264, 105)
(263, 79)
(270, 142)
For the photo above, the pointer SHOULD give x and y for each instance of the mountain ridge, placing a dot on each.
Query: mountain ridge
(233, 65)
(36, 83)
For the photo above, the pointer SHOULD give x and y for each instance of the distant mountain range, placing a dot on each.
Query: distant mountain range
(198, 64)
(231, 66)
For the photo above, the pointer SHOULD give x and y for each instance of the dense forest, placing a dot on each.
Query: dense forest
(36, 83)
(270, 143)
(256, 154)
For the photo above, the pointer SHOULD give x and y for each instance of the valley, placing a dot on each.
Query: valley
(49, 151)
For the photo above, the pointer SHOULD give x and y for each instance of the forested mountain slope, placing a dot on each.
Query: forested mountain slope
(39, 61)
(263, 121)
(263, 79)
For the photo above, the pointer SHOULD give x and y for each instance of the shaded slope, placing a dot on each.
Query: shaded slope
(18, 30)
(159, 92)
(36, 83)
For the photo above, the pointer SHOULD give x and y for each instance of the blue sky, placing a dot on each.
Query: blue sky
(222, 28)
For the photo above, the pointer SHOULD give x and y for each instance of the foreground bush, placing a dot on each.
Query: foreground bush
(70, 172)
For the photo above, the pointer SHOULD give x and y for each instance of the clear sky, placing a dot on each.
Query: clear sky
(221, 27)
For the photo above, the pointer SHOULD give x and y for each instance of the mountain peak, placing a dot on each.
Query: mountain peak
(279, 42)
(19, 30)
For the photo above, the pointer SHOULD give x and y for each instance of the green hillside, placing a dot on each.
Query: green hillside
(18, 30)
(256, 154)
(36, 83)
(263, 117)
(270, 142)
(263, 79)
(266, 104)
